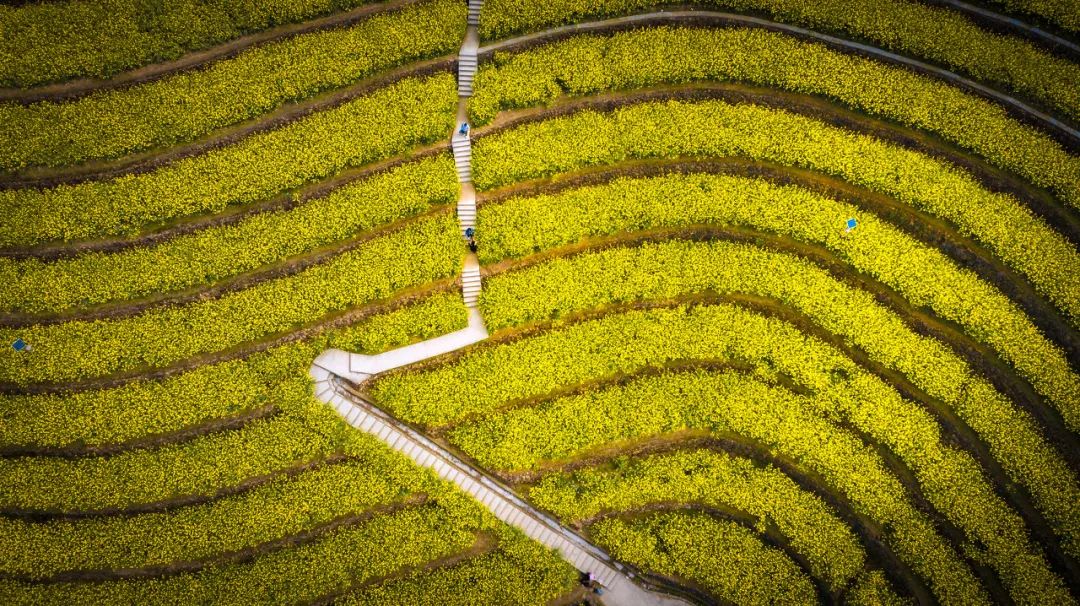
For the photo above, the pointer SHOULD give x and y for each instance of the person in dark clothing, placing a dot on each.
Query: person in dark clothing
(470, 235)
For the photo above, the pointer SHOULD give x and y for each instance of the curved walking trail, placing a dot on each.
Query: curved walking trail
(335, 369)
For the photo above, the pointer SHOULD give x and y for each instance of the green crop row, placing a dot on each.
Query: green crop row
(184, 107)
(386, 122)
(717, 129)
(200, 466)
(927, 277)
(144, 408)
(1061, 12)
(676, 268)
(217, 253)
(726, 403)
(710, 478)
(376, 548)
(726, 559)
(537, 366)
(283, 507)
(519, 572)
(47, 42)
(593, 64)
(423, 252)
(941, 36)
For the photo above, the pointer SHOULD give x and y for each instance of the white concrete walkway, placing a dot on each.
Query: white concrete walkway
(619, 580)
(334, 367)
(358, 368)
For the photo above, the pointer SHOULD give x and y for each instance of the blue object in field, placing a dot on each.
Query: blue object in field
(851, 223)
(469, 232)
(464, 128)
(19, 345)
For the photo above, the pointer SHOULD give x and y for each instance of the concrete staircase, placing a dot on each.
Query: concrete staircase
(462, 146)
(337, 372)
(467, 61)
(474, 12)
(470, 283)
(617, 579)
(466, 69)
(466, 207)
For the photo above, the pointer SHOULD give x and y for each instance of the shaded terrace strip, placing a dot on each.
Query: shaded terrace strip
(924, 228)
(330, 321)
(230, 216)
(290, 266)
(82, 87)
(955, 432)
(994, 179)
(1061, 131)
(770, 536)
(232, 557)
(153, 159)
(42, 516)
(868, 531)
(231, 422)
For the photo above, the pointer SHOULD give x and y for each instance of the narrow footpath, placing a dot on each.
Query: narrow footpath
(336, 371)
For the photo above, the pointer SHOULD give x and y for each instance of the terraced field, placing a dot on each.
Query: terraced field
(771, 302)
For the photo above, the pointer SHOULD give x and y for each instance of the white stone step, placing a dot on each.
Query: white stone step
(354, 416)
(368, 423)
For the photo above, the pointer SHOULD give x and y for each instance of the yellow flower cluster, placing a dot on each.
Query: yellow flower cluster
(382, 546)
(259, 167)
(716, 479)
(716, 129)
(640, 59)
(938, 35)
(730, 561)
(146, 408)
(519, 572)
(283, 507)
(216, 253)
(926, 277)
(45, 43)
(421, 253)
(488, 379)
(676, 268)
(181, 108)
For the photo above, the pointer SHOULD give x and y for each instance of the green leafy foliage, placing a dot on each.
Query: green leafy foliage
(590, 65)
(716, 129)
(418, 254)
(144, 408)
(388, 121)
(941, 36)
(53, 41)
(712, 478)
(181, 108)
(739, 568)
(216, 253)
